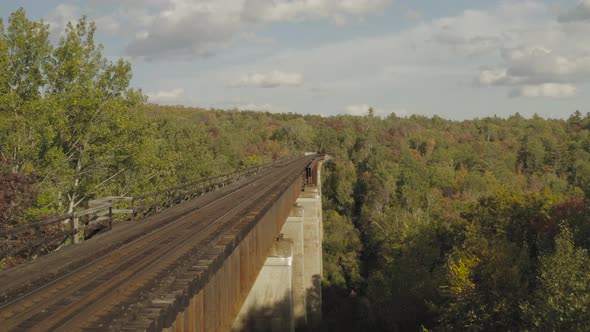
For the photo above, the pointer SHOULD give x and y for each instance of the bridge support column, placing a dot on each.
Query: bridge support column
(293, 302)
(293, 230)
(269, 305)
(311, 202)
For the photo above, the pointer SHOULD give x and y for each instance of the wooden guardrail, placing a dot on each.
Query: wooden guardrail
(144, 205)
(54, 230)
(58, 230)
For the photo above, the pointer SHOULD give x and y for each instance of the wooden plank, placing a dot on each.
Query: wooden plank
(178, 325)
(191, 318)
(122, 211)
(199, 312)
(92, 210)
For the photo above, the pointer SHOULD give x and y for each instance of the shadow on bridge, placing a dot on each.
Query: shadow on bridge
(341, 310)
(280, 316)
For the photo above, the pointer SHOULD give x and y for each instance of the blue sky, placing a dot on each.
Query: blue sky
(455, 58)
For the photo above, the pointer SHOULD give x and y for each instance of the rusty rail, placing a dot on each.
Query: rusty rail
(154, 202)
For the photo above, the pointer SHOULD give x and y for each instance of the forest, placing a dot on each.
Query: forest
(429, 224)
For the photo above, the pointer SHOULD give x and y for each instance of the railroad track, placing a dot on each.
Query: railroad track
(111, 290)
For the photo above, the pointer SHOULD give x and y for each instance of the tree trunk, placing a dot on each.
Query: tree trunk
(74, 195)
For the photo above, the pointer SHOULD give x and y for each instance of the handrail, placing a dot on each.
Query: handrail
(139, 206)
(72, 232)
(24, 228)
(93, 210)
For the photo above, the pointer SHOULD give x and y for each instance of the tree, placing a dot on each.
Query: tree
(95, 125)
(4, 63)
(296, 134)
(562, 299)
(484, 284)
(24, 55)
(17, 194)
(186, 150)
(338, 186)
(341, 247)
(66, 113)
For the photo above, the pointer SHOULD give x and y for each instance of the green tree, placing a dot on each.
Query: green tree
(187, 150)
(95, 125)
(296, 134)
(24, 55)
(484, 284)
(338, 186)
(562, 299)
(4, 63)
(341, 247)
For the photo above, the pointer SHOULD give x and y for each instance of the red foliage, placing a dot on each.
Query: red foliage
(570, 209)
(16, 194)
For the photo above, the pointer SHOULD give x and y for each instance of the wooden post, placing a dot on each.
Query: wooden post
(111, 217)
(156, 202)
(74, 228)
(141, 206)
(132, 206)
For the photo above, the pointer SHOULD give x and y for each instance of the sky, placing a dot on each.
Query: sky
(458, 59)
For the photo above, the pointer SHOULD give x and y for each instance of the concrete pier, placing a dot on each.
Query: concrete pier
(269, 305)
(312, 256)
(293, 230)
(286, 295)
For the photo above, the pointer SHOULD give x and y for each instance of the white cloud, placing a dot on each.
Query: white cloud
(60, 16)
(271, 79)
(166, 28)
(358, 110)
(297, 10)
(247, 105)
(550, 90)
(480, 33)
(579, 13)
(173, 96)
(185, 27)
(539, 62)
(253, 107)
(542, 58)
(468, 46)
(108, 24)
(363, 109)
(412, 14)
(489, 77)
(539, 72)
(517, 48)
(64, 13)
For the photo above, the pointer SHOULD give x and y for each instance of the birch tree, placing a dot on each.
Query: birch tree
(95, 118)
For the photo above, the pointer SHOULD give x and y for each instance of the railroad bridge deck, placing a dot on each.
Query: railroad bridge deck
(189, 267)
